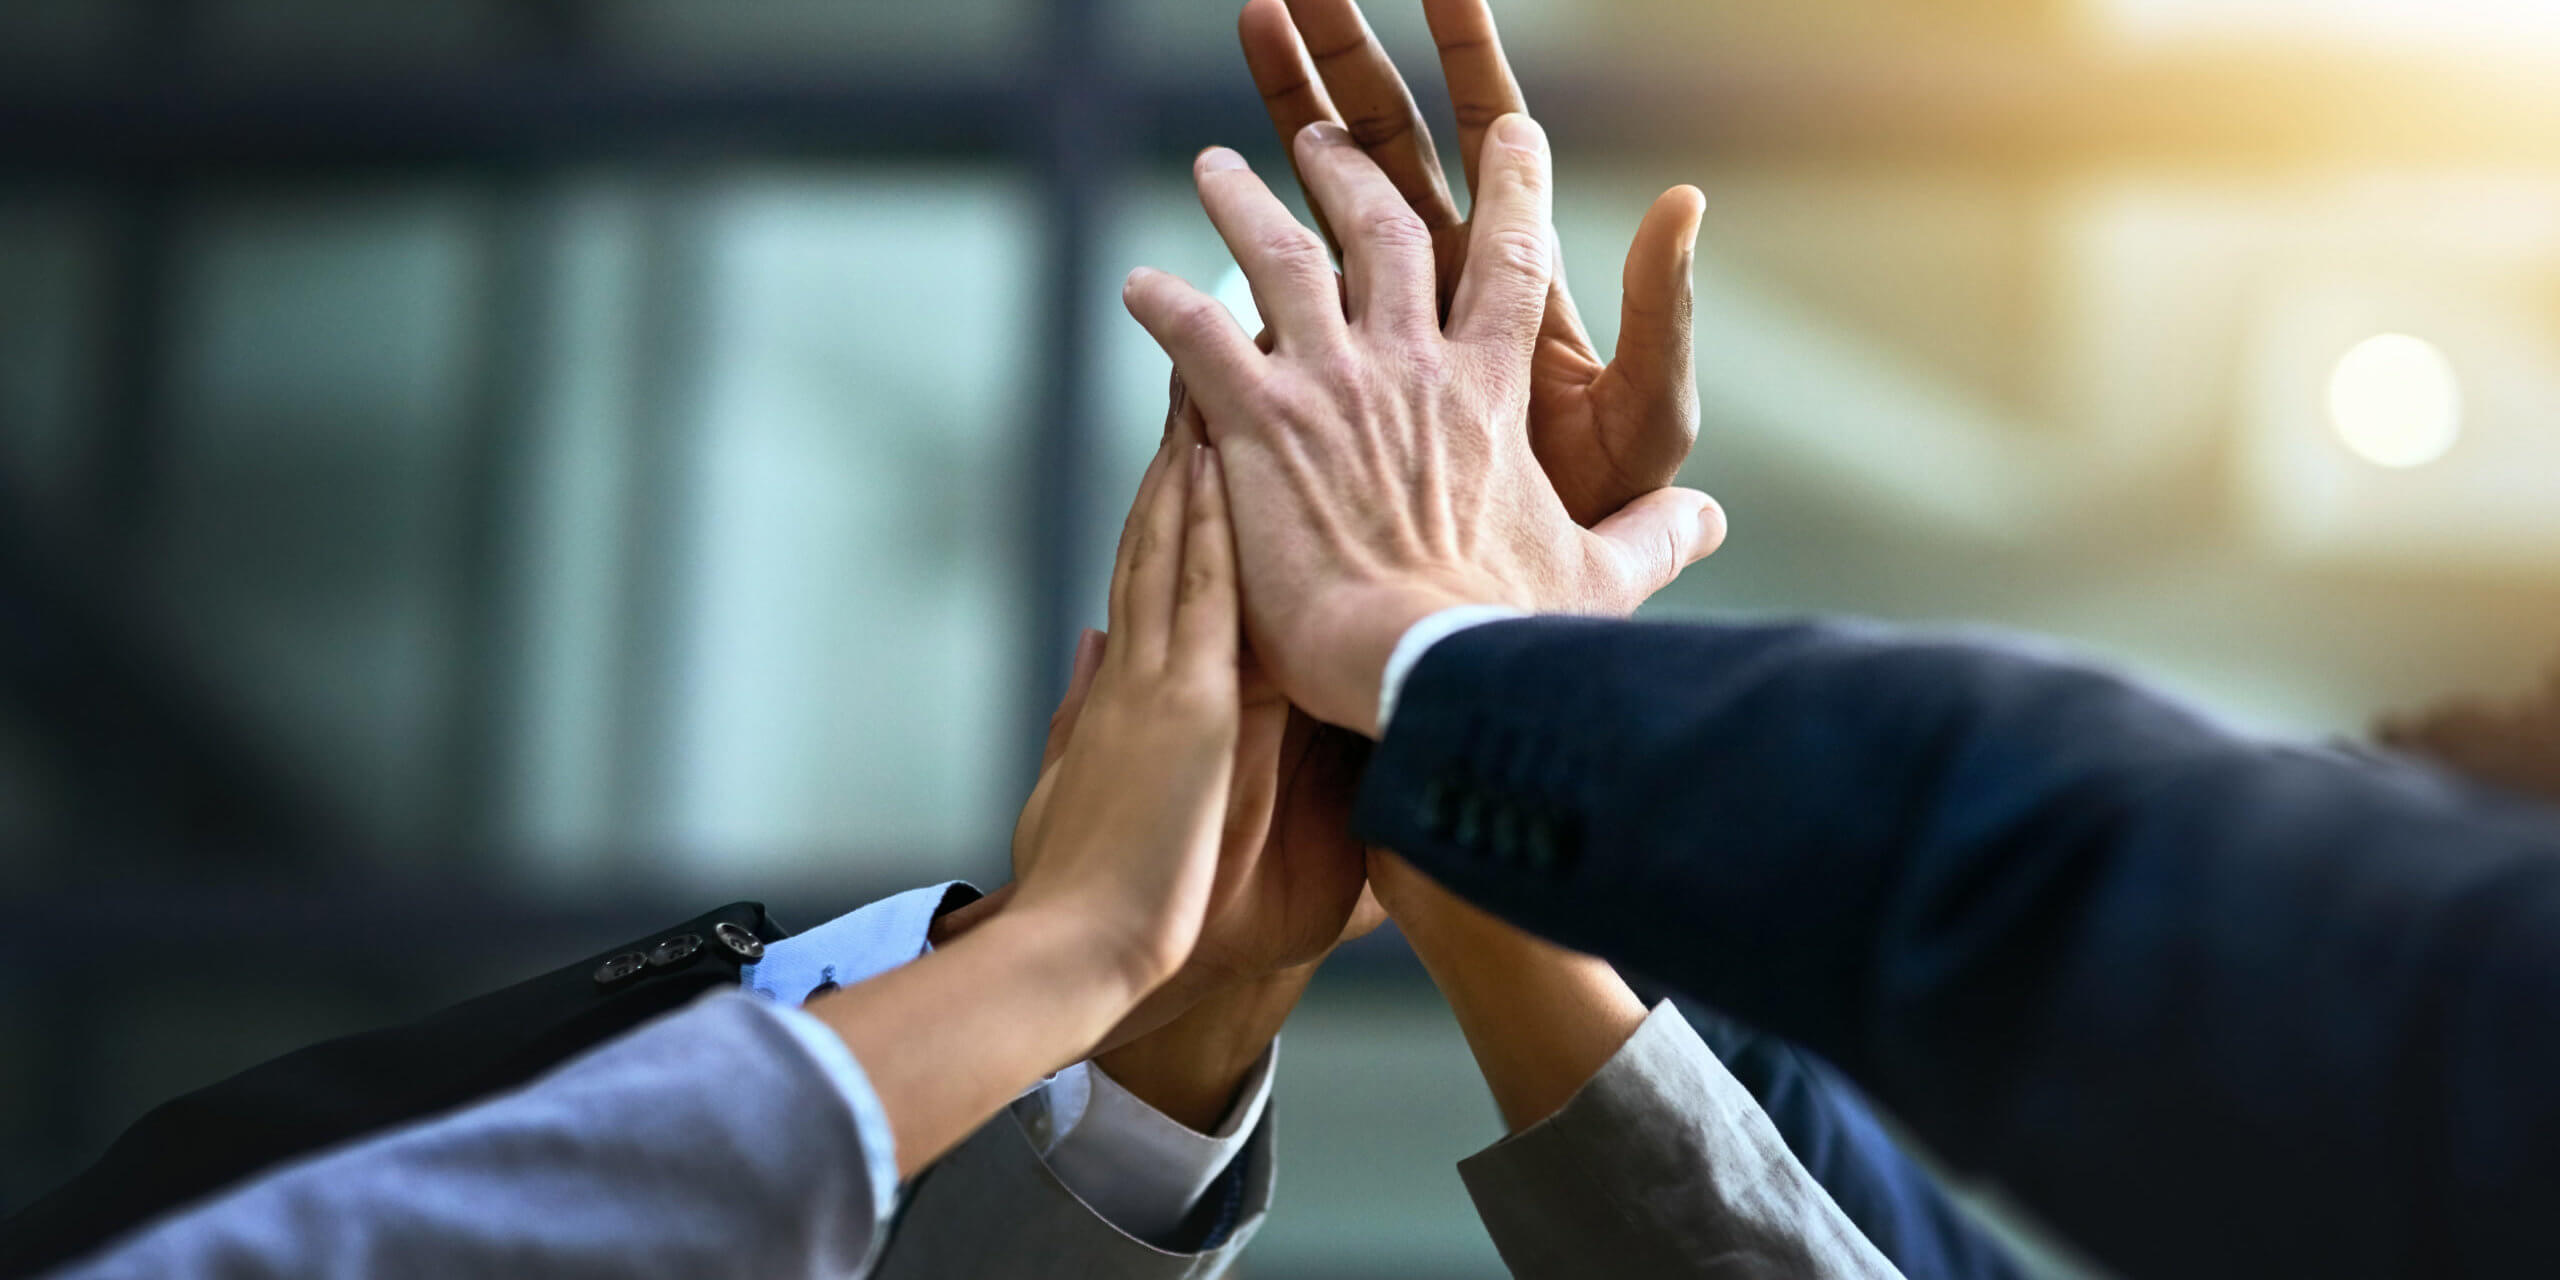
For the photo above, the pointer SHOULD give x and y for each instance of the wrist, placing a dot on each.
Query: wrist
(1193, 1067)
(1350, 635)
(1100, 973)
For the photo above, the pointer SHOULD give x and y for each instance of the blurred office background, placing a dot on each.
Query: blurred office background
(480, 480)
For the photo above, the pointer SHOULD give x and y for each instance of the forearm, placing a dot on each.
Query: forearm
(1191, 1068)
(1541, 1020)
(2036, 911)
(951, 1038)
(706, 1143)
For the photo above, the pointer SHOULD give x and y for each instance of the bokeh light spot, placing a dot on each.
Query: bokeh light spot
(2396, 401)
(1237, 292)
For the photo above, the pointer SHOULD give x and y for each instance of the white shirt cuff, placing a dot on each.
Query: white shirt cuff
(1418, 640)
(1140, 1169)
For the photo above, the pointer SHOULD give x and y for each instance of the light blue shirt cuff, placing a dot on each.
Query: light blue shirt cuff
(851, 948)
(1134, 1165)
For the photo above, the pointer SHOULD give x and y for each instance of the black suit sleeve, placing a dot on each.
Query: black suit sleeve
(2213, 1006)
(344, 1089)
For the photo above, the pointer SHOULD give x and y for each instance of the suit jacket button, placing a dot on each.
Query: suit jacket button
(1542, 844)
(1469, 829)
(1433, 809)
(745, 946)
(1506, 833)
(620, 967)
(675, 951)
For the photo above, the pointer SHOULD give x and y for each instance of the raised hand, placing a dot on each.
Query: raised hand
(1381, 467)
(1139, 863)
(1606, 432)
(1299, 877)
(1123, 860)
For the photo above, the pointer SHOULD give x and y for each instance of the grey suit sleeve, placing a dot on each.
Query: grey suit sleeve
(1663, 1165)
(992, 1208)
(708, 1142)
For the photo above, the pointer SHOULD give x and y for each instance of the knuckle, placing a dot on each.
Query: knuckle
(1198, 582)
(1429, 364)
(1517, 249)
(1296, 250)
(1201, 319)
(1395, 226)
(1378, 128)
(1342, 369)
(1144, 546)
(1206, 691)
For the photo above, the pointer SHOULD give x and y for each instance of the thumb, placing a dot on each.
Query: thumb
(1656, 536)
(1062, 722)
(1656, 370)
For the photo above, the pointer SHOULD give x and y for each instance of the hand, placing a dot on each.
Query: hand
(1381, 464)
(1300, 877)
(1120, 876)
(1606, 432)
(1137, 866)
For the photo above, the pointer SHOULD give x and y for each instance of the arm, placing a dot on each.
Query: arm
(623, 1161)
(599, 1167)
(1631, 1151)
(1540, 1020)
(2075, 938)
(351, 1088)
(2208, 1004)
(1835, 1133)
(732, 1137)
(1124, 1193)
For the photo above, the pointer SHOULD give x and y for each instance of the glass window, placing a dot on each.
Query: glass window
(846, 697)
(306, 506)
(971, 38)
(328, 35)
(53, 269)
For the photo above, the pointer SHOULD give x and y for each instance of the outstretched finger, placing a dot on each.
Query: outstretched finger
(1291, 273)
(1375, 105)
(1132, 533)
(1285, 76)
(1216, 359)
(1205, 620)
(1481, 86)
(1155, 568)
(1501, 301)
(1386, 261)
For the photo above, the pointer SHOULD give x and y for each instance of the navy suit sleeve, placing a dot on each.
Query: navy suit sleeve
(2213, 1006)
(1836, 1136)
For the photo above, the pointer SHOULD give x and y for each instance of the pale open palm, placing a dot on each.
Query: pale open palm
(1605, 431)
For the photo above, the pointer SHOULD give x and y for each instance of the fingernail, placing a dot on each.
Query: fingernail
(1199, 462)
(1325, 133)
(1522, 132)
(1220, 160)
(1711, 530)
